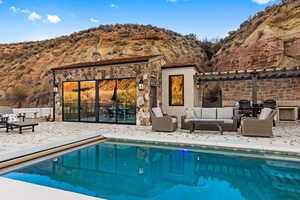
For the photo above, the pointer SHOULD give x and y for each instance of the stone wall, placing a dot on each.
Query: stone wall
(285, 91)
(136, 70)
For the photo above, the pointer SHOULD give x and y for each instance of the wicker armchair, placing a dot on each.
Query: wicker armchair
(162, 122)
(258, 127)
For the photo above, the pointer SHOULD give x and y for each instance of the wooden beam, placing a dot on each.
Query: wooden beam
(254, 88)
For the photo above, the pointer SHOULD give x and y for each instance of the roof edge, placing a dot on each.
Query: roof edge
(125, 60)
(173, 66)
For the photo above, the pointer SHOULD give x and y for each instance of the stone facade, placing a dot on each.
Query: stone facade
(285, 91)
(149, 72)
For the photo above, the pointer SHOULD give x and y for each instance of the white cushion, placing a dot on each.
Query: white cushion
(198, 112)
(209, 113)
(11, 118)
(188, 120)
(226, 121)
(157, 112)
(225, 113)
(174, 120)
(189, 113)
(265, 113)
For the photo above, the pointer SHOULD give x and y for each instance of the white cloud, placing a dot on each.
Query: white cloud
(94, 20)
(54, 19)
(262, 1)
(19, 10)
(14, 9)
(114, 6)
(34, 16)
(172, 1)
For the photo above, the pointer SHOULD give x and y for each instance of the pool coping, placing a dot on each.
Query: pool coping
(266, 152)
(8, 188)
(18, 157)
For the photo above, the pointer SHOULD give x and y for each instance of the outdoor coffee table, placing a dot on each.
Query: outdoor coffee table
(21, 125)
(193, 124)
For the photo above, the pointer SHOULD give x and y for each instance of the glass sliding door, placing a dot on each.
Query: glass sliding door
(71, 103)
(88, 101)
(107, 101)
(126, 104)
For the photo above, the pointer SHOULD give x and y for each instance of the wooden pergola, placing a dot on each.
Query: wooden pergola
(254, 75)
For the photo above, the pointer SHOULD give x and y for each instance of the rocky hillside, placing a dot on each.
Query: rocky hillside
(269, 39)
(25, 77)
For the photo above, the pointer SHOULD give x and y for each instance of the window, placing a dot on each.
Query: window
(176, 90)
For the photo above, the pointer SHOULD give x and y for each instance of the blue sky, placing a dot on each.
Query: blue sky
(26, 20)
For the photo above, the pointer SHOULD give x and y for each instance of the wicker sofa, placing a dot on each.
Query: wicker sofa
(227, 115)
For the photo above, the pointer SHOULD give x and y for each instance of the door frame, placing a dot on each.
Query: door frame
(97, 104)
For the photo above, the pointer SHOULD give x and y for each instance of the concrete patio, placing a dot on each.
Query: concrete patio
(286, 139)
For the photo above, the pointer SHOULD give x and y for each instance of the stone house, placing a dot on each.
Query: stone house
(108, 91)
(123, 90)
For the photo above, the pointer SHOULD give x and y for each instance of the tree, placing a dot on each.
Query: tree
(18, 95)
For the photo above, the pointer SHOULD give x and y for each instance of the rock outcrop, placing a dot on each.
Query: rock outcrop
(269, 39)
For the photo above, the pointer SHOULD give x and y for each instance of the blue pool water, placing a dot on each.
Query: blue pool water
(122, 172)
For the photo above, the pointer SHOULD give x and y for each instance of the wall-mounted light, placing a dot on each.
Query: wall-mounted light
(197, 81)
(55, 88)
(141, 85)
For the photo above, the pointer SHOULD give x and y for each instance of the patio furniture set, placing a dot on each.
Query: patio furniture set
(246, 118)
(10, 121)
(251, 120)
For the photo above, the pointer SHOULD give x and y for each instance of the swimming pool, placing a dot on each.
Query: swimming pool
(117, 171)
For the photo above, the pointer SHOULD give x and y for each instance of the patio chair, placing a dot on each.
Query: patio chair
(245, 108)
(9, 120)
(260, 127)
(270, 103)
(3, 121)
(7, 112)
(162, 122)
